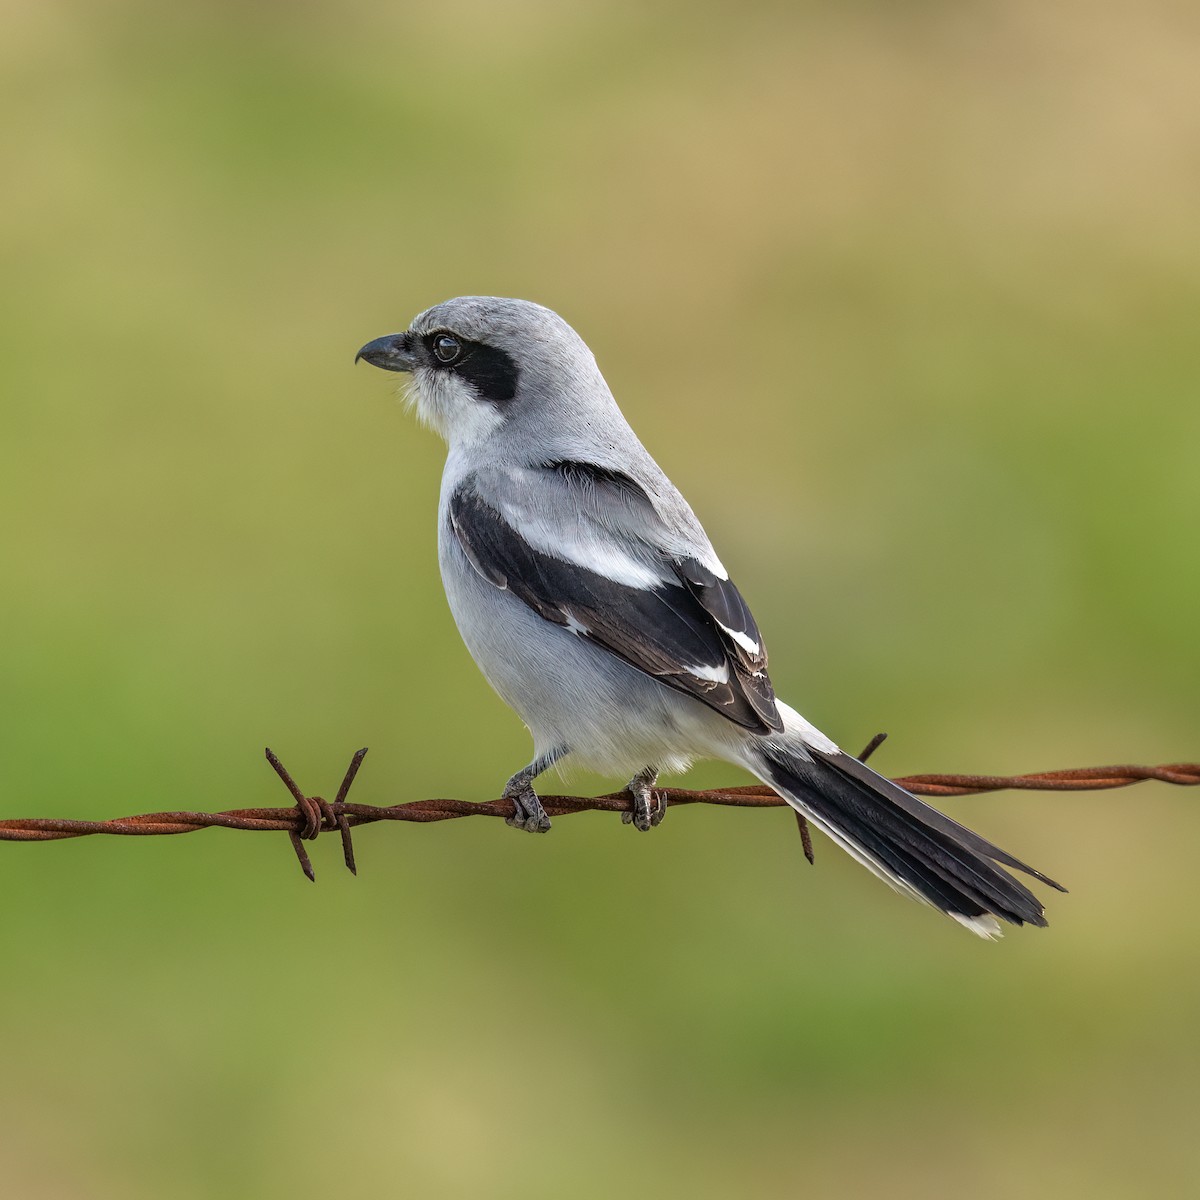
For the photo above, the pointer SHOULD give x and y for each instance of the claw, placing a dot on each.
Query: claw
(658, 808)
(528, 813)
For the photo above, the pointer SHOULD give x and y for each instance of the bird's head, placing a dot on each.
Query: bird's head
(480, 364)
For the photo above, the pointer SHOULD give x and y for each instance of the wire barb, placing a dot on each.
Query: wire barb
(310, 815)
(316, 813)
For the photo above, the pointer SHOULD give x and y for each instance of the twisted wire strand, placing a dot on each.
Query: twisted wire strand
(311, 814)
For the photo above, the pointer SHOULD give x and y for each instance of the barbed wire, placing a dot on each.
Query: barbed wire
(310, 815)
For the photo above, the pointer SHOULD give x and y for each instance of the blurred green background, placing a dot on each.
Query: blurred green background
(904, 297)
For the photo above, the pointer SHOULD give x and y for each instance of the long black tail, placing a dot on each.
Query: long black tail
(913, 847)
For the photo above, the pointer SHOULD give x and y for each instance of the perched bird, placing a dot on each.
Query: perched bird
(591, 598)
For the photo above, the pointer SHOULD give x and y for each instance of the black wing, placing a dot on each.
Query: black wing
(695, 635)
(724, 604)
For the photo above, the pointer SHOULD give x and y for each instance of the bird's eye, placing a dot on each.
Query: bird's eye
(446, 348)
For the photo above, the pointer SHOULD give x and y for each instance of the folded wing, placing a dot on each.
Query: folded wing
(596, 559)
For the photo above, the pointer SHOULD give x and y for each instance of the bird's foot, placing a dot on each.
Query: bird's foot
(649, 806)
(528, 813)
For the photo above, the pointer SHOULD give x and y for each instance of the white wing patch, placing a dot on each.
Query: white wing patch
(576, 626)
(744, 640)
(590, 549)
(718, 674)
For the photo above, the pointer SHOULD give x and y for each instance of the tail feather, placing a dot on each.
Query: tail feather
(955, 860)
(913, 847)
(937, 820)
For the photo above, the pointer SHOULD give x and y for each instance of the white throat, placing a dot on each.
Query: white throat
(451, 408)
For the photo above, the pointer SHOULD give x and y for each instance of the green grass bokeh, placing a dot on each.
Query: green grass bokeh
(903, 298)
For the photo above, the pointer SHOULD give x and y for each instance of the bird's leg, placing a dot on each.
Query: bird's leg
(528, 813)
(649, 806)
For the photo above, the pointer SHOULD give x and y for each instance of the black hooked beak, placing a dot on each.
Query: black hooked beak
(391, 353)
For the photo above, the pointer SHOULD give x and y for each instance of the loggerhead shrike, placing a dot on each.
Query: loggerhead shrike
(592, 600)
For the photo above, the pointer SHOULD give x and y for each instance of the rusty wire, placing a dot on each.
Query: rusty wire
(310, 815)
